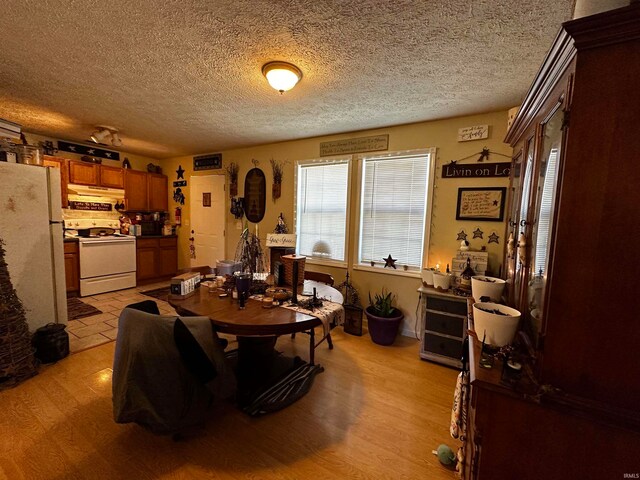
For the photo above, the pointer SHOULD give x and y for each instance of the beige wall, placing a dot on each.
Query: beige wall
(138, 162)
(441, 134)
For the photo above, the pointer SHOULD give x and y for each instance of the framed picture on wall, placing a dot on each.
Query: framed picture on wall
(481, 204)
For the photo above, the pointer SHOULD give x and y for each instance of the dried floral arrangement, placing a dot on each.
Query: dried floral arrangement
(249, 252)
(278, 173)
(233, 170)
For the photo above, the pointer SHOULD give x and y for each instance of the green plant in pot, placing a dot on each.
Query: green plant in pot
(383, 318)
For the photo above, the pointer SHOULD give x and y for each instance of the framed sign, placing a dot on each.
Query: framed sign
(355, 145)
(84, 150)
(481, 203)
(207, 162)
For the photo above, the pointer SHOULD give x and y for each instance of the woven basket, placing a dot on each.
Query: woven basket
(287, 262)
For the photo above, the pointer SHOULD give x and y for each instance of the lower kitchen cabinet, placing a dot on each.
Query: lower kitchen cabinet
(72, 268)
(156, 258)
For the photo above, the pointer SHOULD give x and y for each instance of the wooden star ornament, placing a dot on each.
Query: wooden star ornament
(493, 238)
(461, 235)
(180, 172)
(477, 233)
(390, 262)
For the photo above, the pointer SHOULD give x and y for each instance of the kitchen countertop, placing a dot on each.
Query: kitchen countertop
(156, 236)
(70, 239)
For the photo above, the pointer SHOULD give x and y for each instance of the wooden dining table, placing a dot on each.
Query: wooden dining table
(257, 329)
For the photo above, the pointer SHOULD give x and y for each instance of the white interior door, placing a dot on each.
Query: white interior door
(207, 219)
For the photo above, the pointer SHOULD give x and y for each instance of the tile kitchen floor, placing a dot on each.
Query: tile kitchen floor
(92, 331)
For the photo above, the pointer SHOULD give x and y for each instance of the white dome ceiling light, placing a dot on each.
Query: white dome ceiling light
(282, 76)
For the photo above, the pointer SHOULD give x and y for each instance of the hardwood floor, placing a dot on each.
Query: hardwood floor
(375, 413)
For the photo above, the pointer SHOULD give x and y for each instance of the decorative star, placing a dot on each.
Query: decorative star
(108, 154)
(493, 238)
(72, 148)
(495, 203)
(477, 233)
(461, 235)
(453, 162)
(390, 262)
(180, 172)
(91, 151)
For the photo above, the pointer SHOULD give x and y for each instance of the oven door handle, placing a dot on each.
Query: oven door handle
(105, 242)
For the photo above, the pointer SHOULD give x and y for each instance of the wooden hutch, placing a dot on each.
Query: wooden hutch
(572, 268)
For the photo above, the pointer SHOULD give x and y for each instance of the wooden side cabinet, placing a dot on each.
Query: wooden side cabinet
(72, 267)
(63, 165)
(444, 317)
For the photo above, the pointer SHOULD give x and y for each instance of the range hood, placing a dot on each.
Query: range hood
(89, 191)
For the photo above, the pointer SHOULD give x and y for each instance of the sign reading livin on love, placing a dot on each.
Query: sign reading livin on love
(355, 145)
(485, 170)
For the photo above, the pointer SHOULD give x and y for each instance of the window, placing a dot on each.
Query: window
(393, 207)
(321, 208)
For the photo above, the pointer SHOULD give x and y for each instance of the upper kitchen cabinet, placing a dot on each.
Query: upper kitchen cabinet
(575, 204)
(135, 190)
(111, 177)
(158, 192)
(63, 165)
(84, 173)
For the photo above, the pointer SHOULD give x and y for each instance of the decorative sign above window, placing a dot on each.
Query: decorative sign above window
(354, 145)
(479, 170)
(94, 206)
(207, 162)
(477, 132)
(84, 150)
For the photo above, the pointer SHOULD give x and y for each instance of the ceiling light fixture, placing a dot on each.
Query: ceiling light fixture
(282, 76)
(106, 135)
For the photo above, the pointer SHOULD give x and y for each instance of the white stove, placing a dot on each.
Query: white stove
(107, 258)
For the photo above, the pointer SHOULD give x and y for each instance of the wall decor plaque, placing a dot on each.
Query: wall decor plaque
(355, 145)
(93, 206)
(85, 150)
(477, 132)
(255, 195)
(481, 203)
(478, 170)
(207, 162)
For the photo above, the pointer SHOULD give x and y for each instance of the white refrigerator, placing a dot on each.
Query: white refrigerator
(31, 228)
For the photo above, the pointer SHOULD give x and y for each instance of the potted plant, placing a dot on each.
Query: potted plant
(383, 318)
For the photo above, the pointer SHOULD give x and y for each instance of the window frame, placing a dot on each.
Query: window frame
(356, 265)
(348, 159)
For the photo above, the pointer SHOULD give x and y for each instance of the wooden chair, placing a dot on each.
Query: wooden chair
(319, 277)
(322, 278)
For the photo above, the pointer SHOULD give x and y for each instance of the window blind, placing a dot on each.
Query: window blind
(393, 208)
(322, 209)
(544, 216)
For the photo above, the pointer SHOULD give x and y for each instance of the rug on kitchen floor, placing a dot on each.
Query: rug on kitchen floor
(76, 308)
(159, 293)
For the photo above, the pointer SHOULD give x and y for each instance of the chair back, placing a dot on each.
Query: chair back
(318, 277)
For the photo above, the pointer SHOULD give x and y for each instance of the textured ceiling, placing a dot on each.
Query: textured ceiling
(182, 77)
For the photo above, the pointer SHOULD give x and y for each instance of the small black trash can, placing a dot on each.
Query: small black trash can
(51, 342)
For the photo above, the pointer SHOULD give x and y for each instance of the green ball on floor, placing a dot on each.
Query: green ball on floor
(445, 455)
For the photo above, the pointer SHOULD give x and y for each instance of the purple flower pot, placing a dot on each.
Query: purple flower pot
(383, 330)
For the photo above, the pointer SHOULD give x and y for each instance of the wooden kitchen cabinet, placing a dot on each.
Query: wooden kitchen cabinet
(146, 192)
(156, 258)
(135, 190)
(158, 192)
(111, 177)
(84, 173)
(63, 165)
(72, 267)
